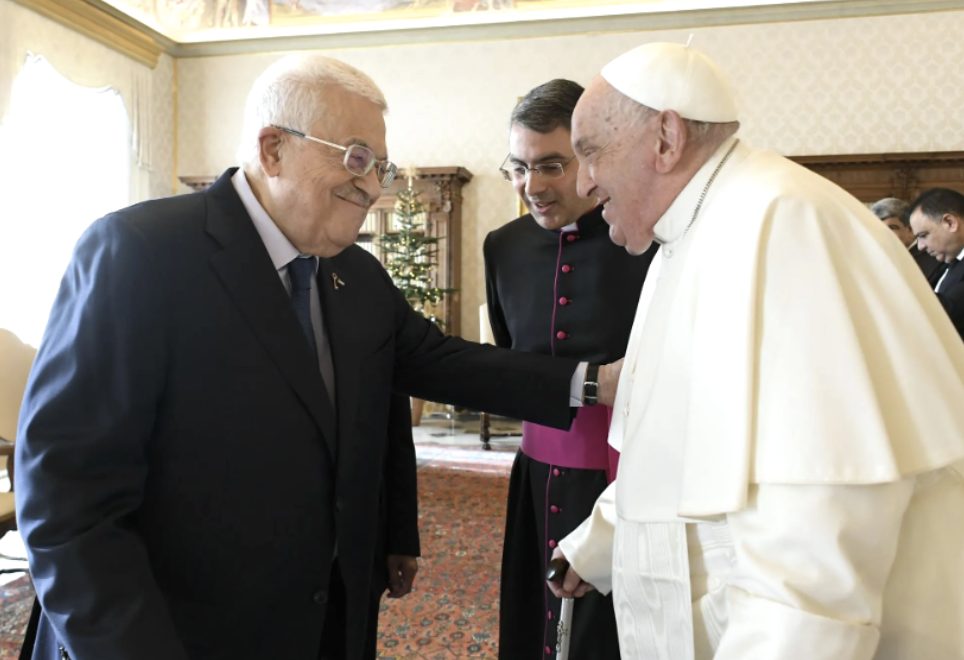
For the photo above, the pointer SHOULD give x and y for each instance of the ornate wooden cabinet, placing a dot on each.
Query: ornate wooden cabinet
(870, 177)
(440, 192)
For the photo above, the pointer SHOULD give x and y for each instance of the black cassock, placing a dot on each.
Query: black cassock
(574, 294)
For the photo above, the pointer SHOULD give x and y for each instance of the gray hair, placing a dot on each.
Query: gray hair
(292, 93)
(892, 207)
(699, 132)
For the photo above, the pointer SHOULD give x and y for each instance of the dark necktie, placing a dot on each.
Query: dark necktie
(301, 271)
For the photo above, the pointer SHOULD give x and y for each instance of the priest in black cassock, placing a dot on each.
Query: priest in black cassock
(556, 284)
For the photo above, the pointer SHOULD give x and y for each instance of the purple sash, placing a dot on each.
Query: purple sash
(583, 446)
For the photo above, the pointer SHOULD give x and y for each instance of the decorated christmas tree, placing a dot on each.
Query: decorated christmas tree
(410, 255)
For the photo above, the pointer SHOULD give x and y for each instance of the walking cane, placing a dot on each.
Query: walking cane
(556, 573)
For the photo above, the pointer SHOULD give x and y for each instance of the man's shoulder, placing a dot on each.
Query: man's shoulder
(524, 224)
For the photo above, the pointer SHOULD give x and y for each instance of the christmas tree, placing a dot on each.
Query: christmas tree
(410, 255)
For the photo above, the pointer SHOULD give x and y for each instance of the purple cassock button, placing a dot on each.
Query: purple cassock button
(556, 472)
(571, 237)
(552, 543)
(554, 509)
(548, 651)
(564, 301)
(562, 334)
(566, 268)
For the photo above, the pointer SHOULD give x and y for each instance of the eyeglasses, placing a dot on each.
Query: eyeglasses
(359, 159)
(517, 172)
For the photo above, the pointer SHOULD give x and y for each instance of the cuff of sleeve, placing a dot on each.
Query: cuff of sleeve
(589, 549)
(575, 385)
(790, 630)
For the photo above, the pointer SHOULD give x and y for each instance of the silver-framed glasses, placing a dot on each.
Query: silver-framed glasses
(359, 159)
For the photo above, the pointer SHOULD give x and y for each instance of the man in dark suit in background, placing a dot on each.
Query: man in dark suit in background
(895, 213)
(937, 219)
(556, 285)
(203, 440)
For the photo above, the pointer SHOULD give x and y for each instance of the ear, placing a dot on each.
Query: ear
(952, 221)
(270, 140)
(671, 140)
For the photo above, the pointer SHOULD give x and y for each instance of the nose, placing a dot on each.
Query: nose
(584, 183)
(371, 185)
(533, 183)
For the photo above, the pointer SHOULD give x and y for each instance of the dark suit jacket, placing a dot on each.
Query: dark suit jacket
(951, 295)
(182, 478)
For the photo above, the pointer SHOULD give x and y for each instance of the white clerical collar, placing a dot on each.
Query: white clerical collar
(676, 221)
(279, 247)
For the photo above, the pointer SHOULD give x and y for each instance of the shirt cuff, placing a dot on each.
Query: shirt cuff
(575, 385)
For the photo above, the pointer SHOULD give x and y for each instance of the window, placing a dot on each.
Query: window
(65, 162)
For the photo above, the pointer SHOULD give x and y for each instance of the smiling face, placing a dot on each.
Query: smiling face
(942, 238)
(554, 203)
(318, 205)
(617, 165)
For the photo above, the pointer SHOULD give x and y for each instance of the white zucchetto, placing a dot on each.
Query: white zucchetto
(670, 76)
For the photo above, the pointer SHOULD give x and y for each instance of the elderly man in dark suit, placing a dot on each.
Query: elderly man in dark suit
(204, 435)
(937, 218)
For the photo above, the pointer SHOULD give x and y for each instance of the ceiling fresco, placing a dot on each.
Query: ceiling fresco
(189, 21)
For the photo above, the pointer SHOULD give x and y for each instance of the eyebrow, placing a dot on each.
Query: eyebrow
(581, 145)
(548, 157)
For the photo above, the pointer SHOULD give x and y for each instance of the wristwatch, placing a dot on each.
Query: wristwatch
(590, 386)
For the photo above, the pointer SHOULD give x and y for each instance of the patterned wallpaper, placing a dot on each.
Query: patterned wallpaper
(811, 87)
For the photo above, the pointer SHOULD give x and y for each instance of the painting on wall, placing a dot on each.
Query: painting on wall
(197, 20)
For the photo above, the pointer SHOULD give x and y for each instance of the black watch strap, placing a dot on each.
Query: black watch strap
(590, 386)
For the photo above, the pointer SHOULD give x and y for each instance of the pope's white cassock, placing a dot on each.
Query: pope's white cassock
(791, 421)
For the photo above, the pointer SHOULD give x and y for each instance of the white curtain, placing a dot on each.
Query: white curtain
(66, 160)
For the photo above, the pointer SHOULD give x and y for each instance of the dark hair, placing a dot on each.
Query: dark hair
(937, 201)
(548, 106)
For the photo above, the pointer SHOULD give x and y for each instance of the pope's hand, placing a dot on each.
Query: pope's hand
(572, 585)
(608, 379)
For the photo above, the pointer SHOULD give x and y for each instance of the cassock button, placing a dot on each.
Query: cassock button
(564, 301)
(554, 509)
(547, 650)
(572, 237)
(320, 597)
(552, 543)
(549, 615)
(566, 268)
(556, 472)
(562, 334)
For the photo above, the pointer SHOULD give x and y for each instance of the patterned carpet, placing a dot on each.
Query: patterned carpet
(453, 609)
(16, 599)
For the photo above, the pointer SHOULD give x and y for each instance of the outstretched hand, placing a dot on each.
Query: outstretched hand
(570, 585)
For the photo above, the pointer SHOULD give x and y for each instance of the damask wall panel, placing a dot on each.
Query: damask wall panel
(862, 85)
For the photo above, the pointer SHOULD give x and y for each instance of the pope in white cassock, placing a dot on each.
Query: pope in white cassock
(790, 413)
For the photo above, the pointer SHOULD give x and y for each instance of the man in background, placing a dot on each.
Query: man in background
(205, 433)
(895, 213)
(789, 414)
(937, 219)
(555, 284)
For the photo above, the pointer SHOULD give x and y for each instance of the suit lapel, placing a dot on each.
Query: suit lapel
(246, 272)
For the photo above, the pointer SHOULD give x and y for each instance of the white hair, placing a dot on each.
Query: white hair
(292, 93)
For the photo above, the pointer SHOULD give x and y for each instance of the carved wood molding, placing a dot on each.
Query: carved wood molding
(870, 177)
(120, 34)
